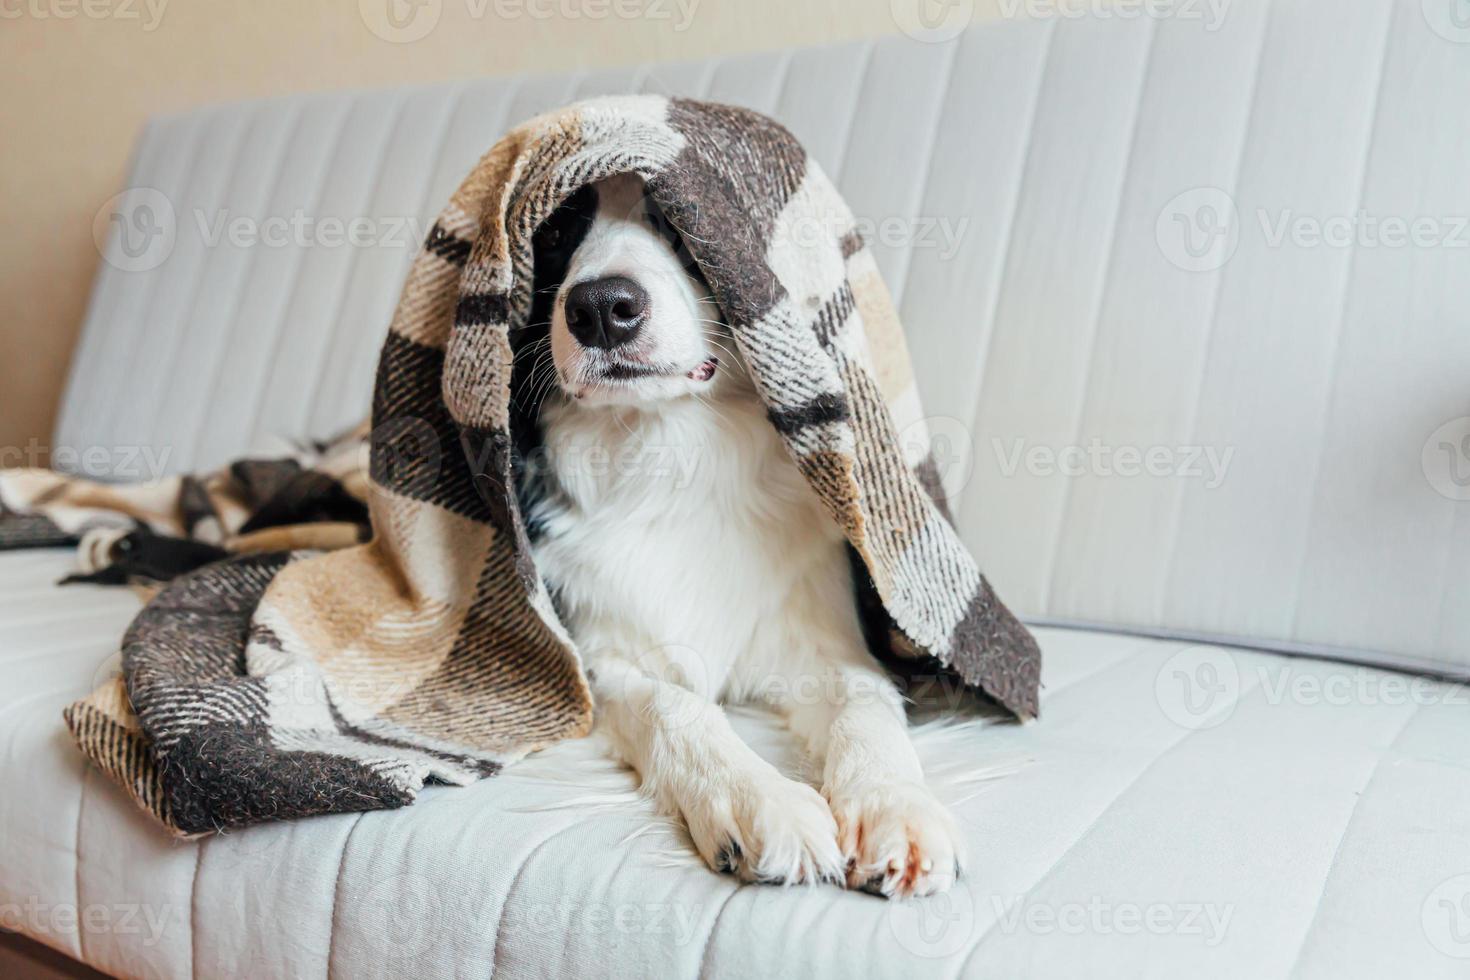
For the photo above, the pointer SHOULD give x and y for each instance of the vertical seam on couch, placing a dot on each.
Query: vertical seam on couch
(511, 885)
(516, 88)
(91, 336)
(1122, 790)
(926, 170)
(1009, 234)
(150, 286)
(335, 327)
(194, 910)
(1175, 519)
(7, 742)
(248, 262)
(1104, 291)
(569, 94)
(185, 317)
(432, 170)
(1343, 836)
(293, 284)
(778, 92)
(1335, 355)
(507, 101)
(76, 858)
(578, 93)
(710, 79)
(1441, 616)
(857, 97)
(147, 321)
(645, 78)
(709, 937)
(336, 895)
(707, 82)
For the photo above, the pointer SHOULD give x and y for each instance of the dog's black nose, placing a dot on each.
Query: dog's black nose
(606, 312)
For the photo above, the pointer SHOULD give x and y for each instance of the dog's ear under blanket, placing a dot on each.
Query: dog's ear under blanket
(283, 685)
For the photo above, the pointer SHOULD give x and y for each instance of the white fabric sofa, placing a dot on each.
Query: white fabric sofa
(1223, 473)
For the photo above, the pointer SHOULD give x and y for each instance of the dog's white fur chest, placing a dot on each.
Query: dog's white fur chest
(685, 537)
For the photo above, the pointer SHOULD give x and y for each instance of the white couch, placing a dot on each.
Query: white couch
(1204, 794)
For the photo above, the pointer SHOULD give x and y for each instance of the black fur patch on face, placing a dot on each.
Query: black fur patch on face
(552, 246)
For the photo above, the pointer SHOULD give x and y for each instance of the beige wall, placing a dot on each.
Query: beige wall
(80, 77)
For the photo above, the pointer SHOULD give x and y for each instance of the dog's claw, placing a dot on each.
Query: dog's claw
(898, 839)
(727, 859)
(768, 830)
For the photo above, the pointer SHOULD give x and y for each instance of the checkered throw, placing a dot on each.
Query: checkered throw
(306, 496)
(280, 685)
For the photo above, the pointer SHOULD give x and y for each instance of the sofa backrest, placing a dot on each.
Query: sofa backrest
(1188, 297)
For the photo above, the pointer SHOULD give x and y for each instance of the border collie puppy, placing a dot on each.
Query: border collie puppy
(694, 565)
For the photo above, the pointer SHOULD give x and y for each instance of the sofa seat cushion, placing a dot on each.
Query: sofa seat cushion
(1178, 810)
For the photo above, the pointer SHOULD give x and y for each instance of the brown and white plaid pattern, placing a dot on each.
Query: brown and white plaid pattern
(307, 496)
(277, 686)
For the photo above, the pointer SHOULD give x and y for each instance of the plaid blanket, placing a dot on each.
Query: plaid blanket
(281, 684)
(311, 496)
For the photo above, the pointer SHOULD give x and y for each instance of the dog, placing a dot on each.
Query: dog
(722, 581)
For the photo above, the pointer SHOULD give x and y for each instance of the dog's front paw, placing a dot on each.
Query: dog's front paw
(764, 827)
(897, 839)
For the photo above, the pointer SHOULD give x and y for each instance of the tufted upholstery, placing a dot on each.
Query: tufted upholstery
(1020, 183)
